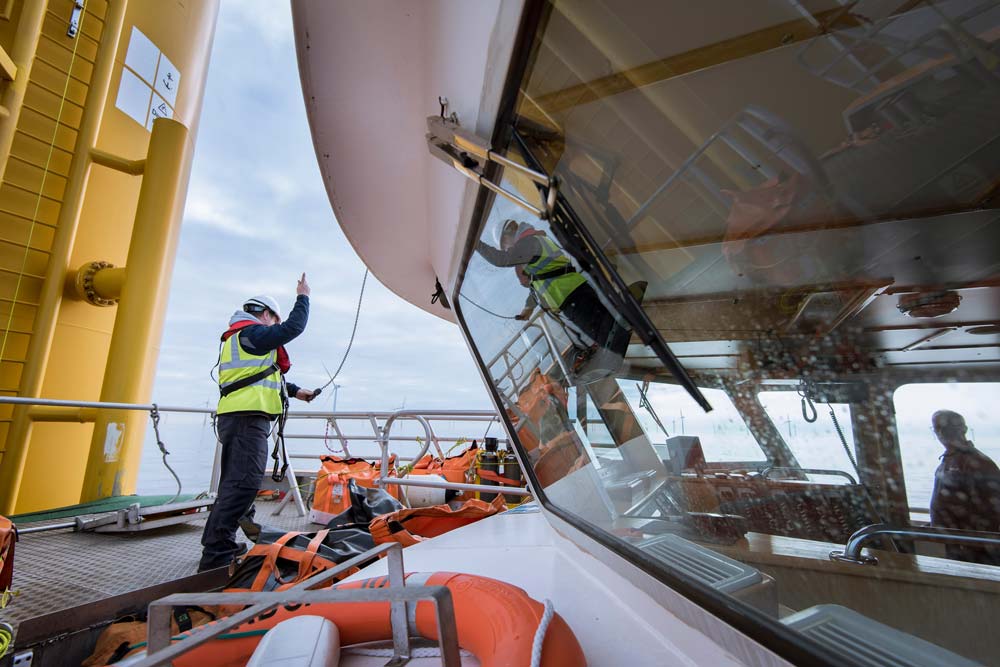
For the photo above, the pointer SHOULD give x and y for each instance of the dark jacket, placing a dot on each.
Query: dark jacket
(526, 250)
(260, 338)
(966, 496)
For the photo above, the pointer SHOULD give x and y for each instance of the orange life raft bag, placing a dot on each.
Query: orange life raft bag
(410, 526)
(460, 469)
(118, 639)
(8, 536)
(332, 492)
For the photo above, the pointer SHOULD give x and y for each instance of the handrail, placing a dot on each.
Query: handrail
(380, 432)
(852, 550)
(430, 415)
(102, 405)
(384, 442)
(385, 480)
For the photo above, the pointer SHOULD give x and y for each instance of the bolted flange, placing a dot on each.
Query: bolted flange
(84, 283)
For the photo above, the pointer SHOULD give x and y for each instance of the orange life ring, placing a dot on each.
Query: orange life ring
(495, 621)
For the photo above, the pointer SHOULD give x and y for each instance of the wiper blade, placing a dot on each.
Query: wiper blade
(574, 237)
(648, 407)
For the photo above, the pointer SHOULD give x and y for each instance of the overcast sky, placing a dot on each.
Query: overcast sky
(257, 216)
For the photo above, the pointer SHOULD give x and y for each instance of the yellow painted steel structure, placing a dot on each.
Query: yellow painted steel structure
(85, 186)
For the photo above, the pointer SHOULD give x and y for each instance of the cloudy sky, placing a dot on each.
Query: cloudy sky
(257, 216)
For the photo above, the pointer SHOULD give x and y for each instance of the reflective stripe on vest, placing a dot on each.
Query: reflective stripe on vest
(235, 363)
(552, 291)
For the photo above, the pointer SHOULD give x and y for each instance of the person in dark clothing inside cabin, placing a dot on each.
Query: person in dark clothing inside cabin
(556, 285)
(966, 492)
(252, 364)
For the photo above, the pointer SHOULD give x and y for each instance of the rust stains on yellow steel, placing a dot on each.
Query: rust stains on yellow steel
(66, 212)
(50, 413)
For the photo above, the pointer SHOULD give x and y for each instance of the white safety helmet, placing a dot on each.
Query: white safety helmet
(508, 228)
(256, 304)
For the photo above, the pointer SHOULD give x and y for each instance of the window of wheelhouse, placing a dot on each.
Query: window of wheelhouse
(823, 444)
(664, 411)
(801, 198)
(919, 444)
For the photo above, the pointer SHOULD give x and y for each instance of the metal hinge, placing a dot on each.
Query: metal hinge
(469, 154)
(74, 19)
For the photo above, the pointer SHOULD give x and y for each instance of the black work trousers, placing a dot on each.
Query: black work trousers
(584, 311)
(244, 459)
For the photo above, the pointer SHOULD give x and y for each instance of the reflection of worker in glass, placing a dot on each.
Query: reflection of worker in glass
(555, 285)
(966, 488)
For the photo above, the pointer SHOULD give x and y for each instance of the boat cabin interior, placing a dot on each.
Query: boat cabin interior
(786, 214)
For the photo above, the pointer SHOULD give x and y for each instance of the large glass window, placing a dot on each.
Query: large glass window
(723, 434)
(921, 450)
(818, 440)
(798, 199)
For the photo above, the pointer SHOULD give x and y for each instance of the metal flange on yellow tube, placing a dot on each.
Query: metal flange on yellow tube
(113, 461)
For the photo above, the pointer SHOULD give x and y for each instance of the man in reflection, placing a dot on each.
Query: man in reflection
(558, 288)
(966, 489)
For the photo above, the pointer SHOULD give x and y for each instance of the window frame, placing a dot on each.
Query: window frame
(767, 631)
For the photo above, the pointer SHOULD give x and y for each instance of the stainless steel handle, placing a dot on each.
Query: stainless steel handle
(852, 550)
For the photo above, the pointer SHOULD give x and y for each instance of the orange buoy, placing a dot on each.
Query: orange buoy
(495, 621)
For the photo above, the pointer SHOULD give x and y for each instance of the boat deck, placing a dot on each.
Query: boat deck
(61, 570)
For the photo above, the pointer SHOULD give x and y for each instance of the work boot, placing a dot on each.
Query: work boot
(250, 528)
(241, 548)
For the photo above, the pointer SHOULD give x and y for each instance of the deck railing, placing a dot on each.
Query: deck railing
(380, 424)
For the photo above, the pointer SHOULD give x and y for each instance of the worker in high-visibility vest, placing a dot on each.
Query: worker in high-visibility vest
(554, 284)
(253, 394)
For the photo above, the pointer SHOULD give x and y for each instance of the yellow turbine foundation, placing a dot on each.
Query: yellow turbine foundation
(84, 183)
(128, 376)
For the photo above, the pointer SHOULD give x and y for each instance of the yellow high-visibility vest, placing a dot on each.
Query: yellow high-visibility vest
(235, 363)
(550, 279)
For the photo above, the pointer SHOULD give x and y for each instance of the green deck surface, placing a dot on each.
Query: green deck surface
(96, 507)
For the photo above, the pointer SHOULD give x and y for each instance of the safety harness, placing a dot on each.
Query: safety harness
(279, 442)
(249, 380)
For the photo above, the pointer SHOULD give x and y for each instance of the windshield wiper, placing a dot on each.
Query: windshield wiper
(574, 237)
(648, 407)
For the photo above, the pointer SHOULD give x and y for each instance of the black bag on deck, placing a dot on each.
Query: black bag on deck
(281, 559)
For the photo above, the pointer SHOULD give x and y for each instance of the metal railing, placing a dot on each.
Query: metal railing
(376, 422)
(507, 367)
(160, 651)
(421, 417)
(852, 550)
(380, 422)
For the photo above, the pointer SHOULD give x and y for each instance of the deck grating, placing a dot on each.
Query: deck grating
(63, 569)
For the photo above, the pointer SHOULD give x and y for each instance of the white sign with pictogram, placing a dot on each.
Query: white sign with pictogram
(149, 82)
